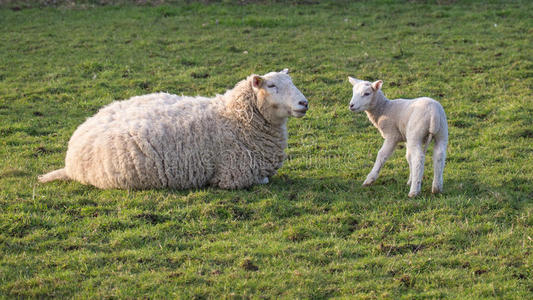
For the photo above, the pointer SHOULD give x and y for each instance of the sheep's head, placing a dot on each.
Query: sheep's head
(277, 96)
(364, 94)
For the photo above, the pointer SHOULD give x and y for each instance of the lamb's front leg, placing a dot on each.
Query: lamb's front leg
(383, 154)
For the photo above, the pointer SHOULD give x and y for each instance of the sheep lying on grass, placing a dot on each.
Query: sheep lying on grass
(160, 140)
(415, 121)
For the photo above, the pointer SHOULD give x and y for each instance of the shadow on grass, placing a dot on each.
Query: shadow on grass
(323, 190)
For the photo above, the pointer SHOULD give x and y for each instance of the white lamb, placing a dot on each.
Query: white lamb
(415, 121)
(160, 140)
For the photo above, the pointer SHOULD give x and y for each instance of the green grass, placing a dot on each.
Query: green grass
(313, 232)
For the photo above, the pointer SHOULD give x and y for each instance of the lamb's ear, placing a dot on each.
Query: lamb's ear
(285, 71)
(352, 80)
(376, 85)
(257, 81)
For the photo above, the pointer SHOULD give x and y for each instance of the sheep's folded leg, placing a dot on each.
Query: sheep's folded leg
(263, 181)
(384, 153)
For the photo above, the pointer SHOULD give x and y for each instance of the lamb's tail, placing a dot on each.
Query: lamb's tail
(434, 129)
(54, 175)
(428, 140)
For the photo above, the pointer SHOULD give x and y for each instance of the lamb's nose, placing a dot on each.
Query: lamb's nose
(351, 105)
(304, 103)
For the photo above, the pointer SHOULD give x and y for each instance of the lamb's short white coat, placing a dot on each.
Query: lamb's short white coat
(414, 121)
(160, 140)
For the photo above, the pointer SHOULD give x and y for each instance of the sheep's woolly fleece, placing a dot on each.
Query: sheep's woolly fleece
(160, 140)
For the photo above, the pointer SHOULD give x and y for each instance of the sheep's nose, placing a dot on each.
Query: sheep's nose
(351, 105)
(304, 103)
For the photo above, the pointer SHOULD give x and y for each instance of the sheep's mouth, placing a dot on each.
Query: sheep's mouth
(298, 113)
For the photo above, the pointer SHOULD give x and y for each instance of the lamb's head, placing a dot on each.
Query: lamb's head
(277, 97)
(364, 94)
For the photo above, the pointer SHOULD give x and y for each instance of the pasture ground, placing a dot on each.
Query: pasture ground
(313, 232)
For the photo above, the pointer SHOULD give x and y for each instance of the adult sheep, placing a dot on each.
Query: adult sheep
(231, 141)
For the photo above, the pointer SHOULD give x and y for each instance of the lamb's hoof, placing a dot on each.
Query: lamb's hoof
(264, 181)
(435, 190)
(412, 194)
(368, 182)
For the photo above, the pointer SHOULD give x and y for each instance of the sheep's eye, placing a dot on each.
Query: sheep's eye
(271, 86)
(366, 94)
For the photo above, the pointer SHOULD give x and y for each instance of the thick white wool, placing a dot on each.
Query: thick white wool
(166, 141)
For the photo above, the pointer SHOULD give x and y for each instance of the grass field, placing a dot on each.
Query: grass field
(313, 232)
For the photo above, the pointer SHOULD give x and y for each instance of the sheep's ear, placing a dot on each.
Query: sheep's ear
(257, 81)
(285, 71)
(352, 80)
(376, 85)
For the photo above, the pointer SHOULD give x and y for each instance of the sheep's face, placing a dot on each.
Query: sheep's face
(278, 97)
(364, 94)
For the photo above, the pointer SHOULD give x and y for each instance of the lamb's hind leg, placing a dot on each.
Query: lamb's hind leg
(439, 158)
(416, 158)
(383, 154)
(408, 157)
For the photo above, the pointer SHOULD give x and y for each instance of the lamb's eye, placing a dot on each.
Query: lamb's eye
(271, 86)
(366, 94)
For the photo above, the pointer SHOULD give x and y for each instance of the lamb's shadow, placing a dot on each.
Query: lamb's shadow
(328, 189)
(390, 188)
(471, 187)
